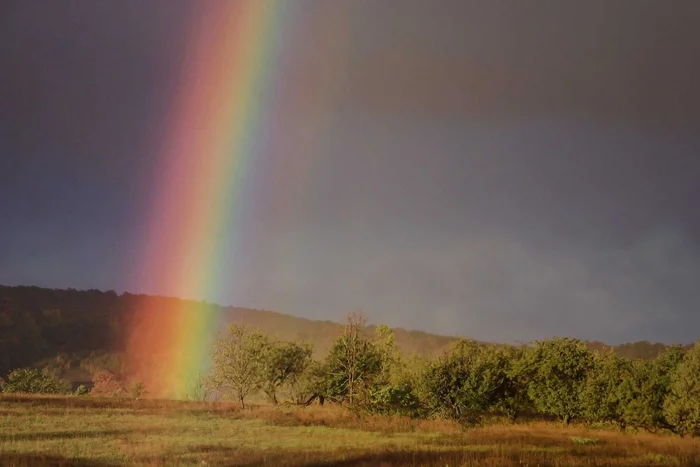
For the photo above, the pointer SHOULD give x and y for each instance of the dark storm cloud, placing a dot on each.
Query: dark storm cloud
(626, 60)
(508, 232)
(499, 287)
(84, 88)
(499, 169)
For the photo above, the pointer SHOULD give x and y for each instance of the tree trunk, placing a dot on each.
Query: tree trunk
(240, 399)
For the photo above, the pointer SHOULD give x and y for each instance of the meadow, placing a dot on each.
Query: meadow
(63, 431)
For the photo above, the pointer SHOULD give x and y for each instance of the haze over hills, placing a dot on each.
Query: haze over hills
(37, 324)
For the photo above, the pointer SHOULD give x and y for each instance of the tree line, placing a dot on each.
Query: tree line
(559, 378)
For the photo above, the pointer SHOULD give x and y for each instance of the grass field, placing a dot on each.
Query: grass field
(65, 431)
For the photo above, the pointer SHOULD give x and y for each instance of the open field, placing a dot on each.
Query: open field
(103, 432)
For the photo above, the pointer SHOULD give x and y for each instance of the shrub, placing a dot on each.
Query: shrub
(107, 385)
(682, 406)
(137, 389)
(469, 380)
(645, 388)
(602, 396)
(33, 381)
(394, 400)
(557, 371)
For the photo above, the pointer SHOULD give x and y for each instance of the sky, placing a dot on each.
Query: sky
(501, 170)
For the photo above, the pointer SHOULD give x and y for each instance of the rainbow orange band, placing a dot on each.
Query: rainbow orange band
(223, 92)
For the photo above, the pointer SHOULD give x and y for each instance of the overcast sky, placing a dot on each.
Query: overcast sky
(503, 170)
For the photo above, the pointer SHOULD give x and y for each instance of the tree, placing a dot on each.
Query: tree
(392, 389)
(556, 371)
(645, 387)
(352, 362)
(238, 363)
(33, 381)
(601, 396)
(385, 345)
(681, 408)
(471, 379)
(284, 363)
(311, 384)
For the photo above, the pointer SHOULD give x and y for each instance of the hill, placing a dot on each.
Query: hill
(84, 329)
(37, 324)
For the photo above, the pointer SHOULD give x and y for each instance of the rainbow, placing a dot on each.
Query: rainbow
(225, 92)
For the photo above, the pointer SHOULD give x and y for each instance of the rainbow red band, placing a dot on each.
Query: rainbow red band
(218, 113)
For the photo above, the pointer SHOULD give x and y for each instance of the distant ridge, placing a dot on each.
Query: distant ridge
(38, 322)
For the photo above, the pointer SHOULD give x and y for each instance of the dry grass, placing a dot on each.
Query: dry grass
(62, 431)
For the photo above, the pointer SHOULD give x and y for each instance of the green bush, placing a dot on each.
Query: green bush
(469, 380)
(557, 371)
(394, 400)
(644, 389)
(33, 381)
(601, 396)
(682, 406)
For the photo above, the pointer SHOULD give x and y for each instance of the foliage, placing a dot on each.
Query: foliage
(34, 381)
(394, 399)
(106, 384)
(557, 372)
(197, 389)
(644, 389)
(37, 323)
(96, 362)
(137, 390)
(392, 391)
(469, 380)
(311, 382)
(682, 406)
(283, 365)
(601, 398)
(238, 364)
(352, 364)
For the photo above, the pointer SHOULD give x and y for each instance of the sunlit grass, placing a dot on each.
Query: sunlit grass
(104, 432)
(580, 440)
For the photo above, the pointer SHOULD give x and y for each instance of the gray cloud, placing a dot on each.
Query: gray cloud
(500, 288)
